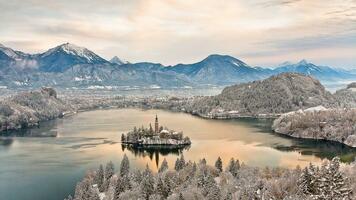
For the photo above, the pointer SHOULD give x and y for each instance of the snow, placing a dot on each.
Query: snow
(102, 195)
(317, 108)
(155, 87)
(76, 50)
(9, 52)
(78, 79)
(73, 50)
(117, 60)
(235, 63)
(311, 109)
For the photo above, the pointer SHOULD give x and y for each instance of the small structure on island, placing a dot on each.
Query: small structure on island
(156, 125)
(159, 137)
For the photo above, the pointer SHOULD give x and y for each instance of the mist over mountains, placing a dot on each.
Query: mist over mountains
(71, 66)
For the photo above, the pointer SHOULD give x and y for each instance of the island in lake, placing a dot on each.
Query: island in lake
(159, 137)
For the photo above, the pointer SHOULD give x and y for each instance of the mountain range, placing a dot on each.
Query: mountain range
(68, 65)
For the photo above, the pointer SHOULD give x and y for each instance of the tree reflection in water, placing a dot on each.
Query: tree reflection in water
(154, 151)
(5, 141)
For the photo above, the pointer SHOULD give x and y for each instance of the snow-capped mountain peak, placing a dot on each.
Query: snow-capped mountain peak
(61, 57)
(74, 50)
(117, 60)
(303, 62)
(17, 55)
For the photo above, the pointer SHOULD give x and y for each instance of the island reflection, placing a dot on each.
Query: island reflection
(153, 152)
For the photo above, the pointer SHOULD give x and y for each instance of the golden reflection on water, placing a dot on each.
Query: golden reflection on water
(210, 139)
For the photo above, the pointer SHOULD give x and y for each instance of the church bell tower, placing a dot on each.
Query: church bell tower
(156, 125)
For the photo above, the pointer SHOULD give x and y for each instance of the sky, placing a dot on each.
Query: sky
(259, 32)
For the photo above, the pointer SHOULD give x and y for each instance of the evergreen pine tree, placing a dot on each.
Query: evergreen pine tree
(93, 195)
(137, 176)
(228, 196)
(162, 188)
(177, 165)
(124, 166)
(218, 164)
(182, 161)
(99, 177)
(305, 183)
(164, 166)
(237, 164)
(151, 130)
(332, 183)
(147, 184)
(232, 168)
(211, 189)
(202, 161)
(180, 197)
(109, 170)
(119, 188)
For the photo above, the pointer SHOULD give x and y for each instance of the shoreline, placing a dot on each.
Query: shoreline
(216, 117)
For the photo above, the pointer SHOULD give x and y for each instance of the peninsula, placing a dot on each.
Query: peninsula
(157, 137)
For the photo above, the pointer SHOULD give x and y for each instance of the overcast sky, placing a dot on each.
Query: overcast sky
(260, 32)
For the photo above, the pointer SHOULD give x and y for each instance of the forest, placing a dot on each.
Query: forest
(189, 180)
(331, 124)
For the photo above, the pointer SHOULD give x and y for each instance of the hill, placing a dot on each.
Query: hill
(347, 97)
(275, 95)
(337, 125)
(29, 108)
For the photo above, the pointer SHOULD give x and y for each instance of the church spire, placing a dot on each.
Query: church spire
(156, 125)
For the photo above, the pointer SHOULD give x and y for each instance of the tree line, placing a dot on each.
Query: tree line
(189, 180)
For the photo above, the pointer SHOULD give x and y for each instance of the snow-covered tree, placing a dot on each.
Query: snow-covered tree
(125, 166)
(332, 183)
(211, 188)
(233, 167)
(180, 197)
(163, 188)
(201, 181)
(306, 182)
(164, 166)
(109, 170)
(85, 190)
(69, 198)
(147, 184)
(119, 188)
(202, 161)
(99, 178)
(155, 197)
(137, 176)
(180, 163)
(218, 164)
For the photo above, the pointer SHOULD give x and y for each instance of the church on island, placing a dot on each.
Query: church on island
(159, 136)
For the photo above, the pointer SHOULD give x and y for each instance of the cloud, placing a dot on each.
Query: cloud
(171, 31)
(271, 3)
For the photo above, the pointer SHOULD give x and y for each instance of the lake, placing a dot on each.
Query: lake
(47, 168)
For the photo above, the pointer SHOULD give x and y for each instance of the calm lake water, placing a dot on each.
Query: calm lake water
(47, 168)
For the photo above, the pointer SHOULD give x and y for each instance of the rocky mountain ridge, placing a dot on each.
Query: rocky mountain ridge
(71, 66)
